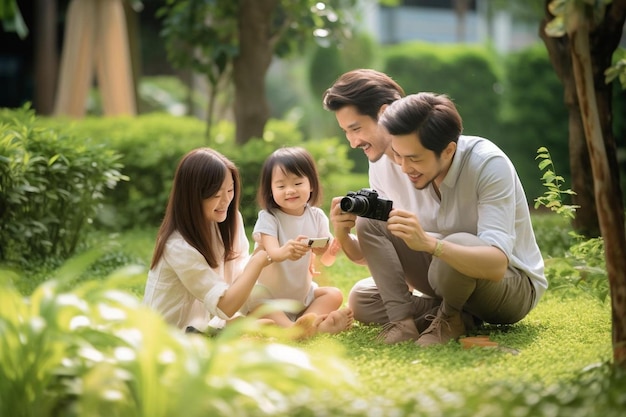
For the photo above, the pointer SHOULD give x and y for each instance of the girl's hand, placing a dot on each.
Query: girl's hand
(320, 250)
(295, 249)
(312, 269)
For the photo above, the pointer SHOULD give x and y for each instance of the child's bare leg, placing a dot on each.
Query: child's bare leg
(279, 318)
(326, 299)
(304, 327)
(337, 321)
(307, 325)
(327, 302)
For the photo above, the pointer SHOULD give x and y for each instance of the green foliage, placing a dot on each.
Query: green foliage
(327, 63)
(584, 265)
(94, 350)
(200, 35)
(618, 70)
(553, 182)
(552, 233)
(619, 107)
(570, 15)
(533, 115)
(51, 183)
(468, 74)
(204, 35)
(151, 146)
(211, 29)
(11, 18)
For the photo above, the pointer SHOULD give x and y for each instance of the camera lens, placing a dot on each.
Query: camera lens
(357, 205)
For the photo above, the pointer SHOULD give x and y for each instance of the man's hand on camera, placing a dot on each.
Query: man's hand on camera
(342, 222)
(407, 227)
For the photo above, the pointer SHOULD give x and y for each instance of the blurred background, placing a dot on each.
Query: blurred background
(82, 58)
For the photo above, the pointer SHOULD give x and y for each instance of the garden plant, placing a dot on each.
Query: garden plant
(77, 341)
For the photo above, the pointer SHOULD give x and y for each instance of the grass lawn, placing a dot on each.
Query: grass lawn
(563, 335)
(553, 343)
(552, 363)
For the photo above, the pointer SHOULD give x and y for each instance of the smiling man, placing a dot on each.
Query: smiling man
(464, 237)
(487, 261)
(358, 98)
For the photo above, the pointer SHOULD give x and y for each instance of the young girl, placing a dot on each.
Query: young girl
(201, 270)
(288, 194)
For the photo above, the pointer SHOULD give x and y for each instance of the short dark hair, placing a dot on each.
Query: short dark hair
(294, 160)
(366, 89)
(433, 117)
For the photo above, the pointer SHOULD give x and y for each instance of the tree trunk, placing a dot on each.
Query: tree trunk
(46, 60)
(604, 40)
(134, 47)
(586, 220)
(251, 66)
(607, 190)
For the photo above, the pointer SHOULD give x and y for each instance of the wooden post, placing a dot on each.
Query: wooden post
(96, 42)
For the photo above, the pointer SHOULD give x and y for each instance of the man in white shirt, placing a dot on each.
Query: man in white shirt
(460, 230)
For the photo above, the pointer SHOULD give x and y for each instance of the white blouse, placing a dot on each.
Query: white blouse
(185, 289)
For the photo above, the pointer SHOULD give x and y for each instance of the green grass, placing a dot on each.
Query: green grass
(548, 350)
(560, 337)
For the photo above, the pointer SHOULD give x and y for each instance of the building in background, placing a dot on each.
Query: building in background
(450, 21)
(29, 67)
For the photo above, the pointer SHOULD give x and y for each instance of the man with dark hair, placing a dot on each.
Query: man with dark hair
(358, 98)
(460, 231)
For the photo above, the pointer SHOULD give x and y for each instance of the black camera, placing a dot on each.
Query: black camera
(366, 203)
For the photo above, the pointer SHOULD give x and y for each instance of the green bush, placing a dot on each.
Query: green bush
(51, 183)
(583, 265)
(469, 75)
(533, 115)
(93, 350)
(151, 146)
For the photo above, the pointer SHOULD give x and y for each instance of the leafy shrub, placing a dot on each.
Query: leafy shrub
(51, 183)
(93, 350)
(584, 265)
(151, 146)
(552, 233)
(530, 83)
(469, 75)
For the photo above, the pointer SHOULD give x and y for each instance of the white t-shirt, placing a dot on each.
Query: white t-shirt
(481, 194)
(290, 279)
(185, 289)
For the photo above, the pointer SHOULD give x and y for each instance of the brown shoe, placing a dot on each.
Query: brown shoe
(398, 331)
(442, 329)
(471, 322)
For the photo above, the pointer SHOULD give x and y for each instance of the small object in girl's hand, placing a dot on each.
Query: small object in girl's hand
(318, 242)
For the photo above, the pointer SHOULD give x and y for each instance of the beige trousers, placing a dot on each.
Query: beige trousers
(396, 270)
